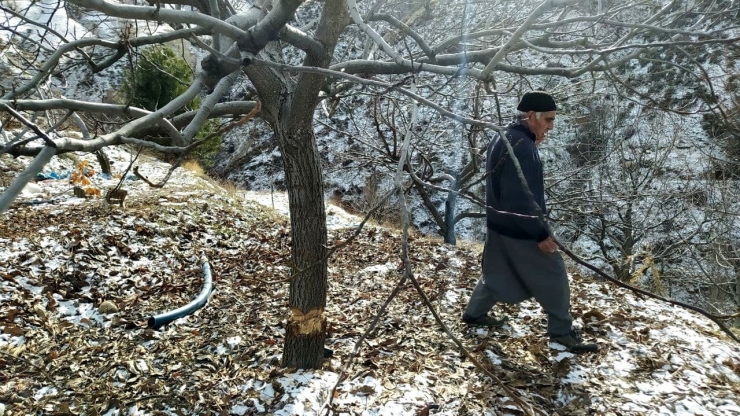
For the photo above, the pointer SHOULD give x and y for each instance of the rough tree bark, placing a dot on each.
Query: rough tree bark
(293, 128)
(306, 329)
(288, 105)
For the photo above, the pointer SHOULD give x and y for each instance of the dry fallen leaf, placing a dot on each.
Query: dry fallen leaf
(13, 329)
(107, 307)
(145, 262)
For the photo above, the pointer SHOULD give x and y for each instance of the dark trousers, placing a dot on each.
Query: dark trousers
(515, 270)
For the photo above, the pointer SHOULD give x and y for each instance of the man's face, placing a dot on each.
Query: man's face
(540, 126)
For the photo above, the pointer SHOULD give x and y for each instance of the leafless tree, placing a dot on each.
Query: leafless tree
(641, 202)
(443, 166)
(292, 57)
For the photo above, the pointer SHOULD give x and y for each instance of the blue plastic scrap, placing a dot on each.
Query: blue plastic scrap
(129, 177)
(52, 175)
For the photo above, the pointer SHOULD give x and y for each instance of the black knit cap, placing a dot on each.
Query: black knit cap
(537, 101)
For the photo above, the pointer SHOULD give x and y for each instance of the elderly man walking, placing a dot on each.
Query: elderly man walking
(520, 258)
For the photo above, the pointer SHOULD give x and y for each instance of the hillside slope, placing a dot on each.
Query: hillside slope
(62, 257)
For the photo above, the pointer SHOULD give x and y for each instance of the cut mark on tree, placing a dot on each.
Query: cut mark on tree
(308, 323)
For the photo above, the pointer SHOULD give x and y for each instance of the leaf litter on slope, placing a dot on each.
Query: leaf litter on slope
(59, 262)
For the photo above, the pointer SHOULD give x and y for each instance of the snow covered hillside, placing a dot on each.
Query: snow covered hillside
(79, 279)
(648, 196)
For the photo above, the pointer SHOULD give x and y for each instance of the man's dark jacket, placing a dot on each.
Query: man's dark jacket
(504, 190)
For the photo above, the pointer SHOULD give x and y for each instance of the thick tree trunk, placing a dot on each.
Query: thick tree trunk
(288, 104)
(306, 329)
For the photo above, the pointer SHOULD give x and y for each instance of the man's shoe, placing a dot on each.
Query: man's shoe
(574, 343)
(485, 320)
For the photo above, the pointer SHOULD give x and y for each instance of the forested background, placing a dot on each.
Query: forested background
(326, 100)
(134, 133)
(641, 168)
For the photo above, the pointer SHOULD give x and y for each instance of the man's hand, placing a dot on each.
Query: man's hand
(548, 245)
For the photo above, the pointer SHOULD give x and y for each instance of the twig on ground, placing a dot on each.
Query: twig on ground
(373, 324)
(330, 252)
(717, 319)
(123, 175)
(524, 406)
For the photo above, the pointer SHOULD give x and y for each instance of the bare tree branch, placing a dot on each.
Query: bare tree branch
(524, 27)
(404, 28)
(164, 15)
(11, 193)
